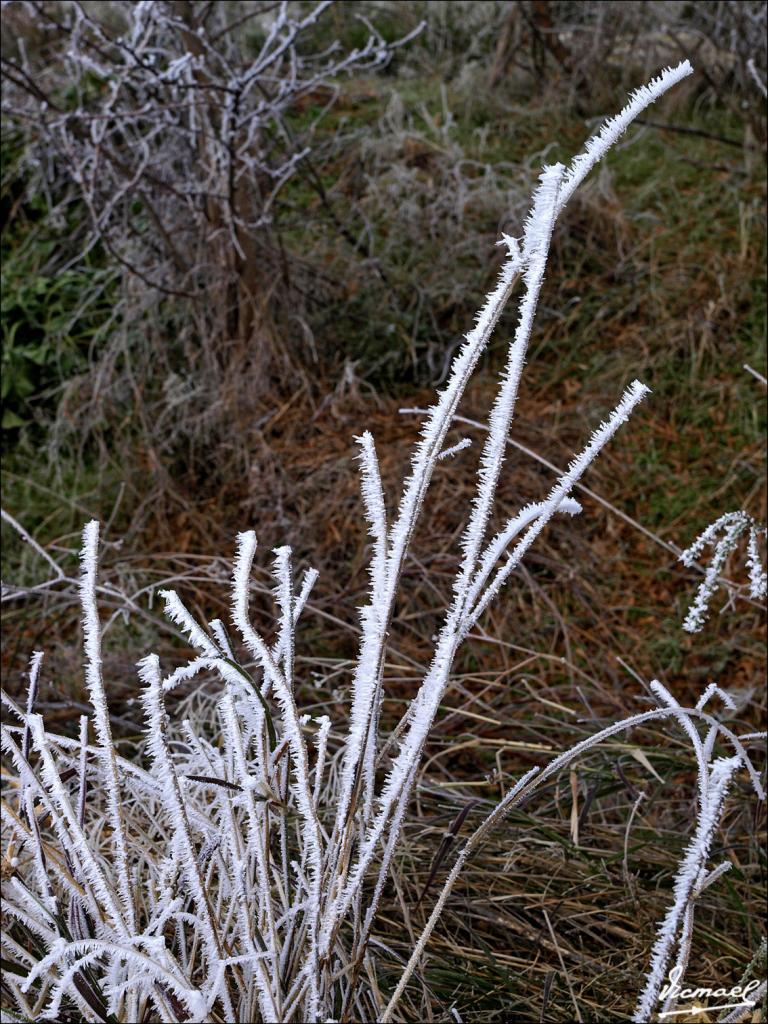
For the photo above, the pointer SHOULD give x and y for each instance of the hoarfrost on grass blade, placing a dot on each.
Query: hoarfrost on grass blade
(730, 527)
(693, 863)
(600, 437)
(98, 697)
(536, 240)
(422, 709)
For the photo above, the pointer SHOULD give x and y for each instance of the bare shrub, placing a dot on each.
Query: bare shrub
(171, 120)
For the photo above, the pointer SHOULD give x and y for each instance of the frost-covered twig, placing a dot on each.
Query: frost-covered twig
(756, 374)
(756, 77)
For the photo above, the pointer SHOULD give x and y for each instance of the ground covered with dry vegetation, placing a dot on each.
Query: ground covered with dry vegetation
(382, 247)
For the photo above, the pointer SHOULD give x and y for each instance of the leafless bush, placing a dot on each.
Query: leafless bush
(172, 122)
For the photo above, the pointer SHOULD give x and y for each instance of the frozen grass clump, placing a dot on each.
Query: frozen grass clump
(235, 874)
(722, 537)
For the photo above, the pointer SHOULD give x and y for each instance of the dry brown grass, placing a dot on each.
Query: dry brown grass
(562, 905)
